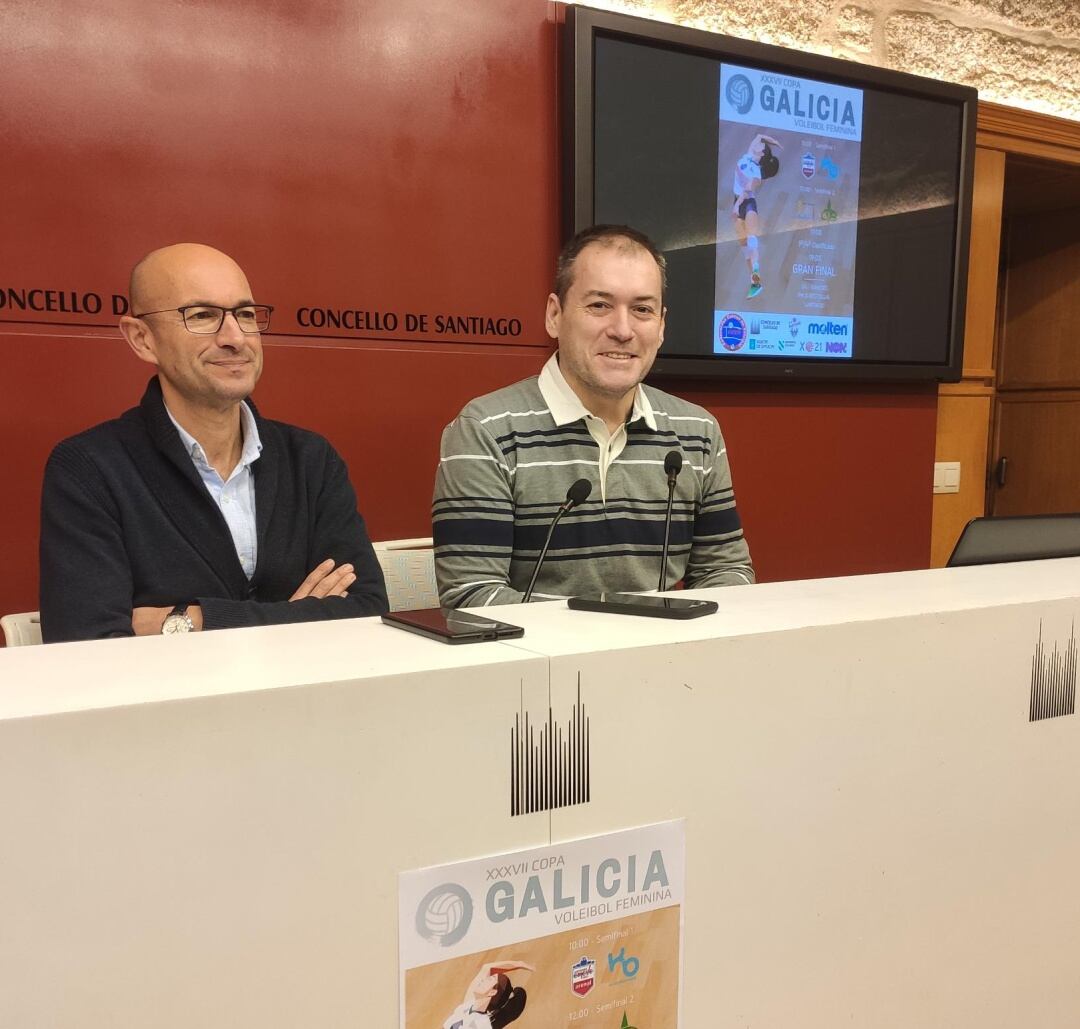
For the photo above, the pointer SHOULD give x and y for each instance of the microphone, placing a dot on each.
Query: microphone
(672, 466)
(578, 493)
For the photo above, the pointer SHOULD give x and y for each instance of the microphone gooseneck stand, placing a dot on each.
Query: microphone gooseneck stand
(672, 465)
(575, 495)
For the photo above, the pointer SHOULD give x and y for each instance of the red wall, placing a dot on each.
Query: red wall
(383, 156)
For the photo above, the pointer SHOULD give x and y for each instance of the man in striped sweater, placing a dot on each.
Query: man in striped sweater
(508, 458)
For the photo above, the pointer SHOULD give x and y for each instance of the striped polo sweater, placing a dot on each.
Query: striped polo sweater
(506, 463)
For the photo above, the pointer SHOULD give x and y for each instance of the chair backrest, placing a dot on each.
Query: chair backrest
(21, 630)
(987, 541)
(409, 569)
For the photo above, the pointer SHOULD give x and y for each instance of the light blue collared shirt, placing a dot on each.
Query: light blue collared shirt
(235, 498)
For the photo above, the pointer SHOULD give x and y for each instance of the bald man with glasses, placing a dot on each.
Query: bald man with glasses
(192, 511)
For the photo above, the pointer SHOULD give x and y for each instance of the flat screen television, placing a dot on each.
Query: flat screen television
(814, 212)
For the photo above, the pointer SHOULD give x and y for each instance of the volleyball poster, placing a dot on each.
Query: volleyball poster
(787, 215)
(585, 934)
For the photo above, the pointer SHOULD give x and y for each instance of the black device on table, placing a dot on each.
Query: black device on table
(452, 626)
(649, 606)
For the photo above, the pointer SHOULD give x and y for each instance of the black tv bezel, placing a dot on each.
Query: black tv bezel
(581, 28)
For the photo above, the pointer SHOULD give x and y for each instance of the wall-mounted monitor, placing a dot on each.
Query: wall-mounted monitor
(814, 212)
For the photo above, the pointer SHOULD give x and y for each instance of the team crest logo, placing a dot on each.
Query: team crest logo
(583, 976)
(809, 165)
(793, 326)
(629, 965)
(732, 332)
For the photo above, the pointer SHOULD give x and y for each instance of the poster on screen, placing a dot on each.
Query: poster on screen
(586, 934)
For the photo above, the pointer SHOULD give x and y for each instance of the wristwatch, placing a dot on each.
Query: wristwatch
(177, 621)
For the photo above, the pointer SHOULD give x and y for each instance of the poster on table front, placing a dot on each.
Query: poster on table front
(585, 934)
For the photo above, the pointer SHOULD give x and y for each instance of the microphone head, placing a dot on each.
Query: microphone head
(579, 492)
(673, 463)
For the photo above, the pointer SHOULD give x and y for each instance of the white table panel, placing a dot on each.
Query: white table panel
(211, 834)
(877, 835)
(208, 831)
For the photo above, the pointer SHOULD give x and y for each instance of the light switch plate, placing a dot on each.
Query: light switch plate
(946, 476)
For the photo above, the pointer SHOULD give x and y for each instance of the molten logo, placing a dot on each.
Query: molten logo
(826, 329)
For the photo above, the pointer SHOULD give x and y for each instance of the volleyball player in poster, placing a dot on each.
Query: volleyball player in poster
(754, 167)
(491, 1001)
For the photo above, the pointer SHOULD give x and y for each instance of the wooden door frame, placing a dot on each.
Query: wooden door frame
(1017, 132)
(967, 410)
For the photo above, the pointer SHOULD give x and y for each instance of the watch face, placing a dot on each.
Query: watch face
(175, 623)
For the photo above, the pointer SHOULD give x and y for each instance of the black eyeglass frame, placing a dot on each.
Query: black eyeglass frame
(268, 308)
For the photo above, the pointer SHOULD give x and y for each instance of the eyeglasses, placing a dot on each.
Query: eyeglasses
(207, 319)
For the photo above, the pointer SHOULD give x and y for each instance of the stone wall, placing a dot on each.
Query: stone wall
(1023, 53)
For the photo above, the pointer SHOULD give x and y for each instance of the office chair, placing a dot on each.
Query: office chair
(987, 541)
(21, 630)
(409, 569)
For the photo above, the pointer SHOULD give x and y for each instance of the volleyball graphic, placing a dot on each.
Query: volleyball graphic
(740, 93)
(445, 914)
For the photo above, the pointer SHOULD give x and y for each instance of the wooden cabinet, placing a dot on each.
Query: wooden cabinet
(1042, 299)
(1036, 450)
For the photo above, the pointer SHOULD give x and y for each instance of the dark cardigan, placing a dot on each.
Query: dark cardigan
(126, 522)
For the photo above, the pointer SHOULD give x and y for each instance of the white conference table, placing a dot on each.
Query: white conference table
(208, 830)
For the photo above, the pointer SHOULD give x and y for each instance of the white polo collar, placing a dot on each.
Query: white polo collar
(566, 406)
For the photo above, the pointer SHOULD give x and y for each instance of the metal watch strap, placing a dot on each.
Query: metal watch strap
(178, 612)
